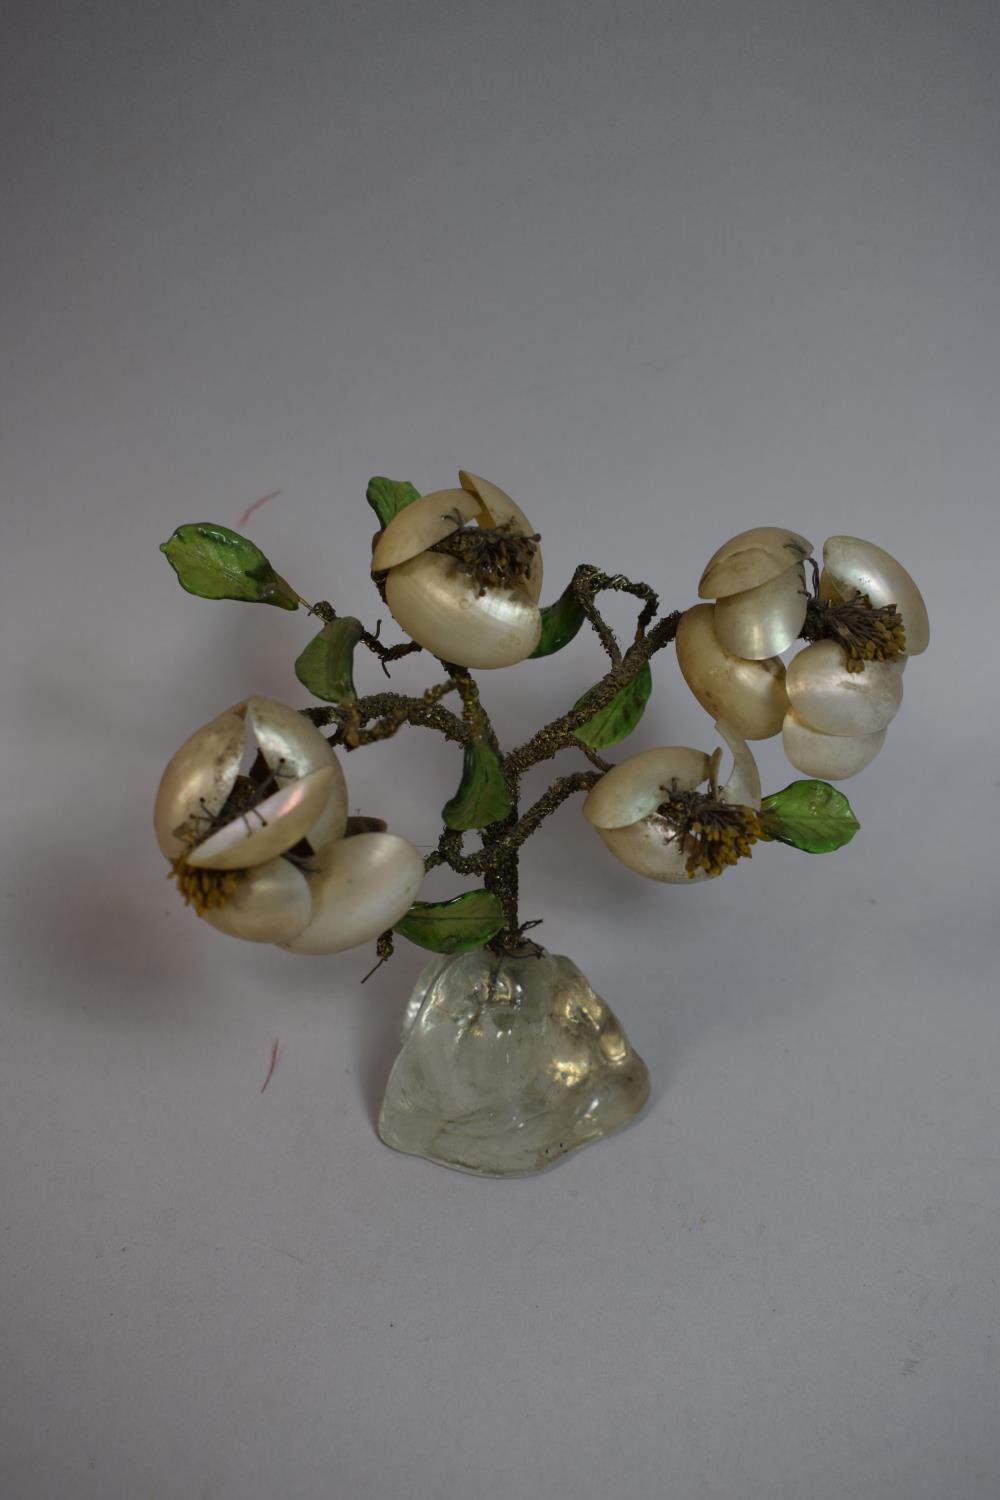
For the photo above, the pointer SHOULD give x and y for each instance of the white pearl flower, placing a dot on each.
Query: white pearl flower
(438, 601)
(630, 805)
(262, 855)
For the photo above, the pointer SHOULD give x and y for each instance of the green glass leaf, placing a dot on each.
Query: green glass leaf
(619, 717)
(216, 563)
(455, 926)
(482, 797)
(326, 666)
(810, 815)
(560, 623)
(387, 497)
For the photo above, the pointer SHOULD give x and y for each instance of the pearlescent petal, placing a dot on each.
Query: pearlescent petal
(851, 565)
(271, 904)
(751, 558)
(199, 778)
(743, 786)
(272, 827)
(638, 785)
(830, 757)
(827, 697)
(439, 607)
(749, 695)
(289, 742)
(763, 621)
(427, 521)
(292, 747)
(651, 848)
(499, 507)
(361, 887)
(332, 821)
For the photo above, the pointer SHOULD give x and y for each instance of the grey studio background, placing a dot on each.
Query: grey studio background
(663, 272)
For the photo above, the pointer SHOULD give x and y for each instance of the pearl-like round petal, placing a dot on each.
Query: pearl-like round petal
(440, 607)
(651, 848)
(361, 887)
(637, 786)
(293, 746)
(289, 742)
(271, 904)
(422, 524)
(749, 695)
(827, 697)
(198, 779)
(743, 786)
(851, 565)
(269, 829)
(332, 821)
(831, 757)
(763, 621)
(750, 559)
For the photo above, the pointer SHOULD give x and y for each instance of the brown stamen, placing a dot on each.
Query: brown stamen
(865, 632)
(497, 557)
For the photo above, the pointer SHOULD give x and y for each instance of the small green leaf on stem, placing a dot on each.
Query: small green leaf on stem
(216, 563)
(619, 717)
(387, 497)
(455, 926)
(809, 815)
(482, 797)
(560, 623)
(326, 666)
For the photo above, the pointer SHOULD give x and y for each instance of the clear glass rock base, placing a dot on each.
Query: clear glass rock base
(508, 1063)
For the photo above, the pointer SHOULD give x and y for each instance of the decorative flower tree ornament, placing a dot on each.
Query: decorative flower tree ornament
(463, 575)
(262, 855)
(509, 1058)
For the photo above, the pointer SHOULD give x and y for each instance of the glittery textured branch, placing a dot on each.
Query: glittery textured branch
(390, 711)
(379, 716)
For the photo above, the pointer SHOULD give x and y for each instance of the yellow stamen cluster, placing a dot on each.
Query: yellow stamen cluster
(205, 890)
(864, 631)
(715, 834)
